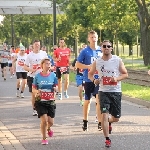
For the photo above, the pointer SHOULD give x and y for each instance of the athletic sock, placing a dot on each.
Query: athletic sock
(107, 138)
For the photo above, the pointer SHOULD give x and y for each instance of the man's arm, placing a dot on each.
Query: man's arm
(82, 66)
(55, 57)
(92, 71)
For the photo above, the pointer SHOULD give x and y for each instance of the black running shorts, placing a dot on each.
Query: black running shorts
(58, 72)
(45, 107)
(21, 75)
(90, 90)
(29, 83)
(110, 102)
(3, 65)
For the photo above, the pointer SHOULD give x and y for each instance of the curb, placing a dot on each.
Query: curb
(128, 98)
(136, 101)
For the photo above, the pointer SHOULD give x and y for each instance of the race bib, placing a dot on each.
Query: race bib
(81, 70)
(37, 66)
(107, 81)
(20, 63)
(4, 56)
(63, 69)
(47, 95)
(54, 68)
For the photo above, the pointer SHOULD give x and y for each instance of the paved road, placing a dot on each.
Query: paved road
(19, 130)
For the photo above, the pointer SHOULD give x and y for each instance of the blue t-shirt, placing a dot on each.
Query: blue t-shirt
(51, 60)
(45, 83)
(88, 56)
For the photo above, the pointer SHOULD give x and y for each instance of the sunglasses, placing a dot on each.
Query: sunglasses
(108, 46)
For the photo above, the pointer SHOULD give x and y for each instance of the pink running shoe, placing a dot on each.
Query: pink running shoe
(44, 142)
(50, 133)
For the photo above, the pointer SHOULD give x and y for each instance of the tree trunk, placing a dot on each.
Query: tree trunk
(130, 50)
(144, 19)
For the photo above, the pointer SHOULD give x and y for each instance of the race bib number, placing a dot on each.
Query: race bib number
(80, 70)
(4, 56)
(63, 69)
(107, 81)
(47, 95)
(37, 66)
(54, 68)
(20, 63)
(95, 74)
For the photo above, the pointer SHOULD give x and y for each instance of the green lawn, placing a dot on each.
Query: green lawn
(131, 90)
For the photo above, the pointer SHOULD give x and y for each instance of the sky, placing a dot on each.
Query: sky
(1, 18)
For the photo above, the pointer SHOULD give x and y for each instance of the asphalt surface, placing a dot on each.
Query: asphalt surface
(19, 130)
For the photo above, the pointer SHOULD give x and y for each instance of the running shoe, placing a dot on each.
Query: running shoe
(59, 96)
(85, 125)
(66, 95)
(44, 142)
(35, 113)
(108, 143)
(18, 93)
(50, 133)
(21, 95)
(10, 77)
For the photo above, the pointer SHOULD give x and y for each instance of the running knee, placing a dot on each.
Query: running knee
(115, 119)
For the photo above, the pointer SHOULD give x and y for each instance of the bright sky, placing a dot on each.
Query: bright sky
(1, 18)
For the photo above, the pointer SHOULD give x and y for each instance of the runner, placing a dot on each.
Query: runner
(32, 65)
(4, 56)
(10, 59)
(111, 71)
(44, 90)
(79, 81)
(21, 74)
(30, 49)
(84, 61)
(50, 58)
(62, 57)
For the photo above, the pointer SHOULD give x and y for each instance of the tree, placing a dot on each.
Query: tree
(144, 19)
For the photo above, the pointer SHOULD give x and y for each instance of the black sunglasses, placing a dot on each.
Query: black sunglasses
(108, 46)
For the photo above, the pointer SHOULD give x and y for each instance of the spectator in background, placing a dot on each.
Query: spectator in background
(30, 49)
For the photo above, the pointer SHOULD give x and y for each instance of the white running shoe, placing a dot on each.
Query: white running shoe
(35, 113)
(18, 93)
(21, 95)
(10, 77)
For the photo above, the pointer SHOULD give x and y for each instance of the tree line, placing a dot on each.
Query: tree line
(124, 21)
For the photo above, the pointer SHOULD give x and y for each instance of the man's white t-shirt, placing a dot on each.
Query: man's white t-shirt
(33, 60)
(20, 63)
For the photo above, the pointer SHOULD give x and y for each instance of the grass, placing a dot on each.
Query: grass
(134, 91)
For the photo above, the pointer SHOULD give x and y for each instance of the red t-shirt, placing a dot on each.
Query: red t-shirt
(64, 54)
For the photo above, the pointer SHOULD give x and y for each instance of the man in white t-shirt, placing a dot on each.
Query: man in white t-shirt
(32, 65)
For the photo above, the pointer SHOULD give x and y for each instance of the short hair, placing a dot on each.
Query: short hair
(36, 41)
(43, 61)
(61, 39)
(92, 32)
(12, 46)
(106, 41)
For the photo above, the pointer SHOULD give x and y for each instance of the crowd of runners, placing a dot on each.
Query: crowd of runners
(98, 74)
